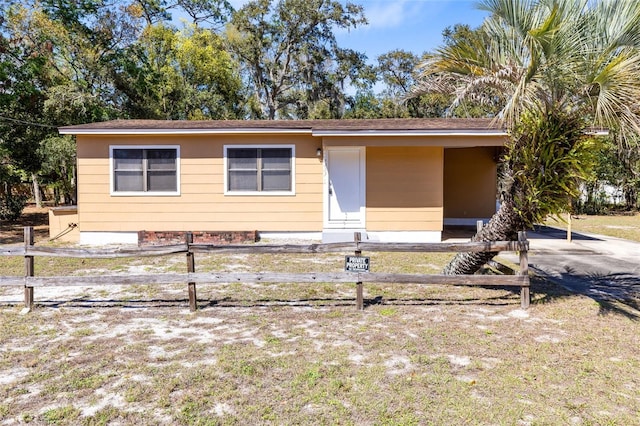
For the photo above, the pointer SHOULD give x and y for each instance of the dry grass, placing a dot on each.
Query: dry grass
(619, 226)
(302, 354)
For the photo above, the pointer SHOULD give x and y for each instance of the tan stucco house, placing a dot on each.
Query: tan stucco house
(391, 179)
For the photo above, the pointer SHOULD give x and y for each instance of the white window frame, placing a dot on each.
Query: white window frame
(143, 193)
(260, 193)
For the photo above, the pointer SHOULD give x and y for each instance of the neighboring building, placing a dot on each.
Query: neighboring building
(391, 179)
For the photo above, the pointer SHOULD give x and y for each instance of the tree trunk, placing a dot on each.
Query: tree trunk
(36, 190)
(503, 226)
(630, 197)
(74, 188)
(6, 190)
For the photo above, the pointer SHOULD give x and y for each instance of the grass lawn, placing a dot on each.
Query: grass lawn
(301, 354)
(619, 226)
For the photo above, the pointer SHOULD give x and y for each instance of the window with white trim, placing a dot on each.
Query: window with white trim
(144, 170)
(259, 169)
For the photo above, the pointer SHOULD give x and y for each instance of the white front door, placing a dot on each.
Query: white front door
(345, 187)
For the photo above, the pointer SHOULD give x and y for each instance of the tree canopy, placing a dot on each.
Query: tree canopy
(290, 56)
(65, 62)
(554, 69)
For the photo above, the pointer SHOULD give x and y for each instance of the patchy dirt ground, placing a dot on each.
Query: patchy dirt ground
(11, 233)
(302, 354)
(299, 354)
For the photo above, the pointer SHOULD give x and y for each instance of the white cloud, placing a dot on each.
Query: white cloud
(379, 13)
(389, 14)
(397, 13)
(384, 14)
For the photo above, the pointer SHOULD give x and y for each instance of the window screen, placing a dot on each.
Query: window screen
(145, 170)
(259, 169)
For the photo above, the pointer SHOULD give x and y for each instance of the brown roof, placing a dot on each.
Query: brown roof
(479, 125)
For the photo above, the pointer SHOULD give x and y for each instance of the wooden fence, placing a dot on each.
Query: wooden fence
(191, 277)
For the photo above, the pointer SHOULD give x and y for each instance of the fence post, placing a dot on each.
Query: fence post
(191, 268)
(357, 237)
(28, 267)
(525, 295)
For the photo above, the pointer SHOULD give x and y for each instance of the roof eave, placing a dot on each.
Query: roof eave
(453, 132)
(254, 131)
(76, 131)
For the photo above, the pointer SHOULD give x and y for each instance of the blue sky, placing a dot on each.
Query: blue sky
(412, 25)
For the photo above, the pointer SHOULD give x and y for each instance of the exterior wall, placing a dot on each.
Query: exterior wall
(470, 183)
(404, 188)
(411, 184)
(201, 205)
(63, 224)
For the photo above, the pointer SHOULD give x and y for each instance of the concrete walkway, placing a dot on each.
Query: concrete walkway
(604, 268)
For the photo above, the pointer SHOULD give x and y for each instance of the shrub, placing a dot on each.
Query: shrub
(11, 207)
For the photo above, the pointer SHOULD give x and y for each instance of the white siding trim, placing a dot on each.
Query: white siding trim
(405, 236)
(282, 235)
(106, 238)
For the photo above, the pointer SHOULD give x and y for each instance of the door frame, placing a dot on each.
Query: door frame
(362, 184)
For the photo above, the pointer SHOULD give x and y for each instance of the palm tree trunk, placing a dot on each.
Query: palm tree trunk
(503, 226)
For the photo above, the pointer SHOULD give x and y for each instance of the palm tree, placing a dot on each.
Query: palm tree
(556, 67)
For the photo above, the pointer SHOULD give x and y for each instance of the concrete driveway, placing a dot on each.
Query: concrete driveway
(604, 268)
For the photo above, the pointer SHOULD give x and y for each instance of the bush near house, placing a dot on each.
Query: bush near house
(11, 206)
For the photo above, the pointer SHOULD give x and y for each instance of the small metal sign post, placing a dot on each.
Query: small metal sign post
(357, 263)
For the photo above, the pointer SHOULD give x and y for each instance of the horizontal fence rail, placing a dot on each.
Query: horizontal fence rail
(494, 246)
(191, 277)
(260, 277)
